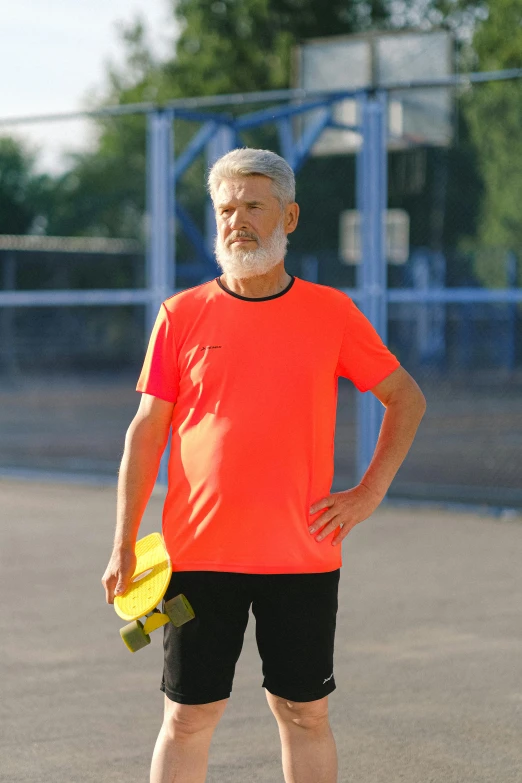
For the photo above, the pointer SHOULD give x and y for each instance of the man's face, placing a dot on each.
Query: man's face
(252, 227)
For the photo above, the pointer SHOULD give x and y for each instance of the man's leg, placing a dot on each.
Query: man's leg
(309, 753)
(199, 661)
(181, 751)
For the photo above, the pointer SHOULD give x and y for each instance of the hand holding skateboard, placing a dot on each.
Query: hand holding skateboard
(148, 585)
(119, 572)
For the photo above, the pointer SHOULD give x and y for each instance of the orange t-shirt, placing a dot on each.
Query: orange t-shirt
(254, 382)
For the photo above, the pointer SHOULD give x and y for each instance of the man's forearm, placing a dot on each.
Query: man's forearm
(136, 479)
(400, 423)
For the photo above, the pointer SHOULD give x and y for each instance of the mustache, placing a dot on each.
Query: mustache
(242, 235)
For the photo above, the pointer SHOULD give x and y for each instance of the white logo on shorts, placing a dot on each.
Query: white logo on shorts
(328, 678)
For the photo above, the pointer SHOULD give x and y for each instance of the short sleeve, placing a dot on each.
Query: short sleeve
(159, 375)
(363, 357)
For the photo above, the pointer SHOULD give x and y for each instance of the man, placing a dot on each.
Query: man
(244, 369)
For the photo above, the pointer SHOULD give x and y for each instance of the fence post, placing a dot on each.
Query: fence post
(372, 271)
(160, 259)
(224, 140)
(8, 353)
(512, 270)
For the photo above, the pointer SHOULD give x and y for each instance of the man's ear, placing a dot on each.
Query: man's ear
(291, 217)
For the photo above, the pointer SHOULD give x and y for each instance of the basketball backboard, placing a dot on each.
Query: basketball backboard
(397, 223)
(417, 115)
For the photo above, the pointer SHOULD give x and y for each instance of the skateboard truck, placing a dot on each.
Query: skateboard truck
(136, 635)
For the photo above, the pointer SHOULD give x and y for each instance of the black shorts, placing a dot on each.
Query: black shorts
(295, 628)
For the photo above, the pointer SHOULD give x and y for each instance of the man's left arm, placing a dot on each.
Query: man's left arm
(405, 406)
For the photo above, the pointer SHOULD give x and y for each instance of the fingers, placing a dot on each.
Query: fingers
(324, 503)
(109, 584)
(340, 511)
(342, 534)
(323, 519)
(115, 585)
(329, 528)
(329, 521)
(122, 584)
(118, 575)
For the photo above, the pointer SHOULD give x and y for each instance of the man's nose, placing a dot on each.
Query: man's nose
(238, 220)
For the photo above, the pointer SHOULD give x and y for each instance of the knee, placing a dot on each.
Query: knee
(305, 714)
(192, 718)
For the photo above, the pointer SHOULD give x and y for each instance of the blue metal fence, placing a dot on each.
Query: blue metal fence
(221, 132)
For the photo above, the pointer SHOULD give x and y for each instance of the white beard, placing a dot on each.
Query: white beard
(241, 263)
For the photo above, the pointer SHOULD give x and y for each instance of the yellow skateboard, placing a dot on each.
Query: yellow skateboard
(148, 586)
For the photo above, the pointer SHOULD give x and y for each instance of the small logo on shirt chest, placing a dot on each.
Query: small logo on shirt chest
(203, 347)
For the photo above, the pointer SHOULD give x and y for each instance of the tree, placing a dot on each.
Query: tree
(103, 192)
(246, 45)
(20, 187)
(494, 113)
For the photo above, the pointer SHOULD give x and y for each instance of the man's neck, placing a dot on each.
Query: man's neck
(269, 284)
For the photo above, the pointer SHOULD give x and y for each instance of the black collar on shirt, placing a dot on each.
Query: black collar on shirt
(256, 298)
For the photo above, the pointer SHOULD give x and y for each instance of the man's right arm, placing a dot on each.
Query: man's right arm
(145, 443)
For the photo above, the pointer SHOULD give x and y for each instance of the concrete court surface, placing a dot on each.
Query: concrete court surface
(428, 657)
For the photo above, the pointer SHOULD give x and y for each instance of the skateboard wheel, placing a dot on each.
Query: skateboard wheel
(178, 610)
(134, 636)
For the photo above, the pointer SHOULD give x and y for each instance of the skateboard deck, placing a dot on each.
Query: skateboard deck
(146, 589)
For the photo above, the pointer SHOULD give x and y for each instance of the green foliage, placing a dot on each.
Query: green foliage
(498, 40)
(103, 194)
(246, 45)
(494, 114)
(20, 187)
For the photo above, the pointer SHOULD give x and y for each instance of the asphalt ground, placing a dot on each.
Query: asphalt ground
(428, 655)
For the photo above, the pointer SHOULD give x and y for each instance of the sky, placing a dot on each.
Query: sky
(53, 53)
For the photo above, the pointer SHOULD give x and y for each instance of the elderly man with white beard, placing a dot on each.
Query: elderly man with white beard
(243, 369)
(253, 227)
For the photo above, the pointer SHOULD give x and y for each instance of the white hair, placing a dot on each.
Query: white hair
(247, 162)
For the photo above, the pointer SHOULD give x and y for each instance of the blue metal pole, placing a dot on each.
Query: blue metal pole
(160, 212)
(286, 139)
(172, 180)
(371, 203)
(511, 262)
(160, 268)
(193, 148)
(223, 140)
(309, 136)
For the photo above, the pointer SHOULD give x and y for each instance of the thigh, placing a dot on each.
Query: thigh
(201, 655)
(295, 631)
